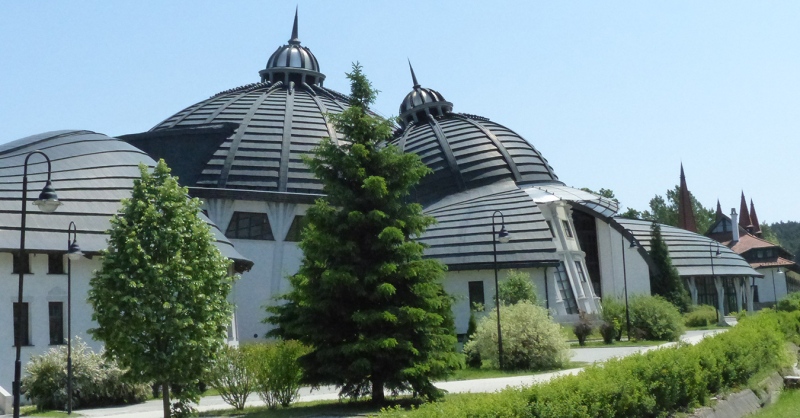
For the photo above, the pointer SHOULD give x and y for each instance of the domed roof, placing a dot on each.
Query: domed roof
(279, 119)
(466, 151)
(421, 103)
(292, 62)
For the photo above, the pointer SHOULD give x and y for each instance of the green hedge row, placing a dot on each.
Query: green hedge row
(652, 384)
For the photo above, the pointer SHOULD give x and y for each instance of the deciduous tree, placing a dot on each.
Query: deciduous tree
(365, 299)
(160, 297)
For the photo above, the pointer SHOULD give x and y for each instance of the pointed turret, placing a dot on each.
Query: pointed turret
(744, 215)
(413, 76)
(295, 40)
(685, 213)
(719, 214)
(754, 219)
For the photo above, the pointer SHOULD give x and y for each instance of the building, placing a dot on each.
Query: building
(742, 234)
(91, 173)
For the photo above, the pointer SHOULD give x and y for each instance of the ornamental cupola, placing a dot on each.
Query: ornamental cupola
(422, 103)
(292, 62)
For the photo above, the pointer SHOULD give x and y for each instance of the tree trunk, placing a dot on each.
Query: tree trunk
(377, 391)
(165, 397)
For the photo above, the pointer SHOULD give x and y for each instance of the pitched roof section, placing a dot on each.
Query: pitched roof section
(692, 254)
(744, 215)
(91, 174)
(462, 238)
(754, 219)
(589, 201)
(685, 213)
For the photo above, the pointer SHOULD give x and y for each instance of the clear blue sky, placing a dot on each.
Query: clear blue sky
(615, 94)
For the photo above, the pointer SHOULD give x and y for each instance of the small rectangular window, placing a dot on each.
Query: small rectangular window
(581, 273)
(56, 314)
(249, 225)
(296, 229)
(550, 226)
(567, 229)
(755, 294)
(16, 266)
(55, 264)
(476, 296)
(21, 330)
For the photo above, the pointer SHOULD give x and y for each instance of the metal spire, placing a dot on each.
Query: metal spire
(295, 40)
(686, 219)
(413, 76)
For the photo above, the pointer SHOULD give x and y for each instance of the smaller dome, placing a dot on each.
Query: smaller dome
(292, 62)
(422, 103)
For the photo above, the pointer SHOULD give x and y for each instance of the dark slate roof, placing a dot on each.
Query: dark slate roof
(468, 151)
(278, 123)
(692, 254)
(91, 173)
(279, 120)
(462, 238)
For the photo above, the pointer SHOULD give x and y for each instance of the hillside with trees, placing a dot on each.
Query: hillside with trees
(788, 233)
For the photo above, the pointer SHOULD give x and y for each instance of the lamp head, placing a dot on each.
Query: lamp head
(48, 200)
(74, 252)
(503, 236)
(780, 270)
(634, 242)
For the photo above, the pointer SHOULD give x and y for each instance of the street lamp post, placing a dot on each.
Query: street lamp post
(73, 253)
(774, 288)
(503, 236)
(625, 281)
(713, 275)
(47, 202)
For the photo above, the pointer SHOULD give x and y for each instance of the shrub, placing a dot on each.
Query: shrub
(517, 287)
(277, 371)
(473, 358)
(700, 316)
(531, 339)
(654, 318)
(614, 314)
(654, 384)
(583, 328)
(96, 381)
(233, 376)
(790, 302)
(609, 332)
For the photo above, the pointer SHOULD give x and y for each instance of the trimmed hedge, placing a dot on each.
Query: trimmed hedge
(700, 316)
(655, 318)
(653, 384)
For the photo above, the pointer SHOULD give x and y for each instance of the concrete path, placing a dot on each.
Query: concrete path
(153, 409)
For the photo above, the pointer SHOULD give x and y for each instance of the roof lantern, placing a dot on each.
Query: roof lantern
(292, 62)
(422, 103)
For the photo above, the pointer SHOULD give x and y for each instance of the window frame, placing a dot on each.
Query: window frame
(473, 289)
(56, 322)
(567, 229)
(23, 337)
(15, 263)
(237, 231)
(56, 260)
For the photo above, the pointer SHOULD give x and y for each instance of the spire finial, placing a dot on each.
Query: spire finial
(413, 76)
(295, 40)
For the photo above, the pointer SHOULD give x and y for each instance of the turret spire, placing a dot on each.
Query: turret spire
(754, 219)
(719, 214)
(685, 213)
(295, 40)
(744, 215)
(413, 76)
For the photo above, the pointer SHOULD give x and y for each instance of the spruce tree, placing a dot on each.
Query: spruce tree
(365, 299)
(160, 297)
(664, 278)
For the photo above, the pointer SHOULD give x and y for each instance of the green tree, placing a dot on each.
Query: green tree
(364, 298)
(160, 297)
(769, 234)
(517, 287)
(665, 211)
(664, 278)
(788, 233)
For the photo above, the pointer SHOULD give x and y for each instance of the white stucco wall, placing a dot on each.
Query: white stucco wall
(39, 289)
(771, 284)
(610, 247)
(274, 262)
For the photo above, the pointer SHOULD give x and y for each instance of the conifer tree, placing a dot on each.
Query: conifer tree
(664, 278)
(160, 297)
(365, 299)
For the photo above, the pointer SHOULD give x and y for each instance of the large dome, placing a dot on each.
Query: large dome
(279, 119)
(464, 151)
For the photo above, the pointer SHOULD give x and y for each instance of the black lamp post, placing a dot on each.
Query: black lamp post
(73, 253)
(711, 257)
(625, 280)
(47, 202)
(503, 236)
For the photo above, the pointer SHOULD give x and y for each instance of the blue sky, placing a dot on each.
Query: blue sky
(614, 94)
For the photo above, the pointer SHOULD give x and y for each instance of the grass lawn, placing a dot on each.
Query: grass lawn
(30, 411)
(788, 406)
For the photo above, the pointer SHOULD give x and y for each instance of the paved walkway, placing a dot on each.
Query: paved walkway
(153, 409)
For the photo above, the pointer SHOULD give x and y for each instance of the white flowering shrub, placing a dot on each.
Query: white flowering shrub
(531, 339)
